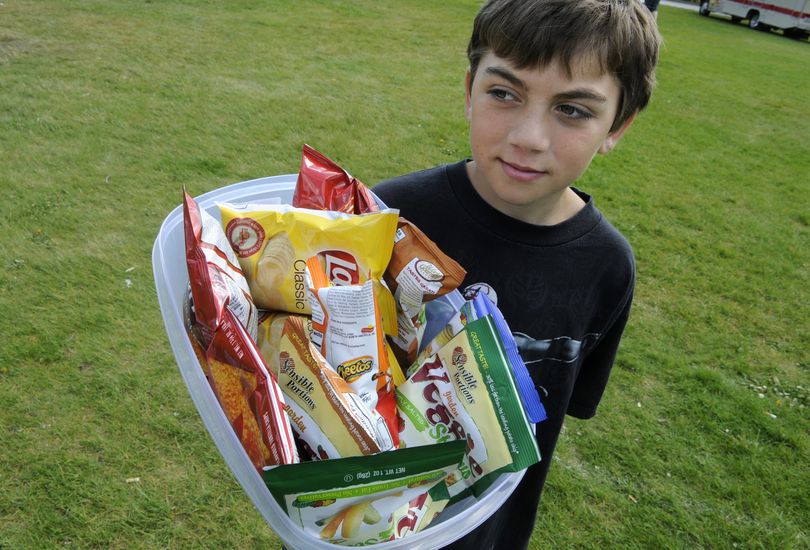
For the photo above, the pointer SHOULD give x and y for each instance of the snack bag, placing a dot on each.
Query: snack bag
(215, 277)
(440, 312)
(273, 243)
(418, 272)
(366, 500)
(466, 391)
(330, 419)
(454, 324)
(347, 330)
(480, 306)
(248, 395)
(529, 396)
(323, 185)
(421, 511)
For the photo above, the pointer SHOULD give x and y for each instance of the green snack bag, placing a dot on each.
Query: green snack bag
(466, 391)
(364, 500)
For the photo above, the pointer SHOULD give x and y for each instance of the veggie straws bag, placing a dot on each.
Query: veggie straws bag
(467, 391)
(370, 499)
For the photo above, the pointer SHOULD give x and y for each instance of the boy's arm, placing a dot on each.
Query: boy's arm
(595, 370)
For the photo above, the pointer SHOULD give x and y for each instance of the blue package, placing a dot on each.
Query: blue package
(437, 314)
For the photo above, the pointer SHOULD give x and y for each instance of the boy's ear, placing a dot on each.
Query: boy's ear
(613, 137)
(467, 99)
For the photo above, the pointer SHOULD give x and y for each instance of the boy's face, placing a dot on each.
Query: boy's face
(533, 132)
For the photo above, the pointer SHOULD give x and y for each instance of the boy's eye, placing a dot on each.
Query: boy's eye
(501, 94)
(574, 112)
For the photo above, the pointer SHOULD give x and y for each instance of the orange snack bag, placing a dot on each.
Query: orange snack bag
(417, 273)
(347, 330)
(249, 395)
(232, 387)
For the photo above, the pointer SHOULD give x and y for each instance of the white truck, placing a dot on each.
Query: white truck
(792, 16)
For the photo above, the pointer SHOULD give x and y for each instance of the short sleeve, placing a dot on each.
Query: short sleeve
(595, 371)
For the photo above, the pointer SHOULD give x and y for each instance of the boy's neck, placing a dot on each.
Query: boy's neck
(553, 209)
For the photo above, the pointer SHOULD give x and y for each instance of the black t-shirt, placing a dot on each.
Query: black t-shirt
(565, 291)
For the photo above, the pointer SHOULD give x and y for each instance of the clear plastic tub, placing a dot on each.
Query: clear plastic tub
(171, 280)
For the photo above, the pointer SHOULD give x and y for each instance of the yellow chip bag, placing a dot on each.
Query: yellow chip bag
(274, 241)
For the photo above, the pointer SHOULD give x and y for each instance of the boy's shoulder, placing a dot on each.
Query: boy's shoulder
(415, 187)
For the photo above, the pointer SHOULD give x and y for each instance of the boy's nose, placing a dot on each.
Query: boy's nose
(531, 133)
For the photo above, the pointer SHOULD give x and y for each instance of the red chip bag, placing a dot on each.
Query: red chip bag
(249, 395)
(214, 274)
(224, 320)
(323, 185)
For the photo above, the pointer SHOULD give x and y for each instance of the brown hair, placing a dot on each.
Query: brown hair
(620, 36)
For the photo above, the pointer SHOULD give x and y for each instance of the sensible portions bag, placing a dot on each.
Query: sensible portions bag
(529, 396)
(467, 392)
(330, 419)
(366, 500)
(480, 306)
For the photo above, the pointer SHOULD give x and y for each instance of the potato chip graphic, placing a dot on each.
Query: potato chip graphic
(233, 386)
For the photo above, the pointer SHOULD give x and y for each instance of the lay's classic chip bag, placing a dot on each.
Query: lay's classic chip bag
(274, 241)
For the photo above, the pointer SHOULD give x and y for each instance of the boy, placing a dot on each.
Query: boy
(550, 84)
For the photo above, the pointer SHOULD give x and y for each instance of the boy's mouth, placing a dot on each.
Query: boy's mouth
(518, 172)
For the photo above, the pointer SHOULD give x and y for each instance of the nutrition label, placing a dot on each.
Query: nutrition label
(350, 310)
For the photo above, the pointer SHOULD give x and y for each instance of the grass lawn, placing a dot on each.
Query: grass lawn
(108, 107)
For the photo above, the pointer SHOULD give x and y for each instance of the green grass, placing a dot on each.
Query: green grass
(107, 108)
